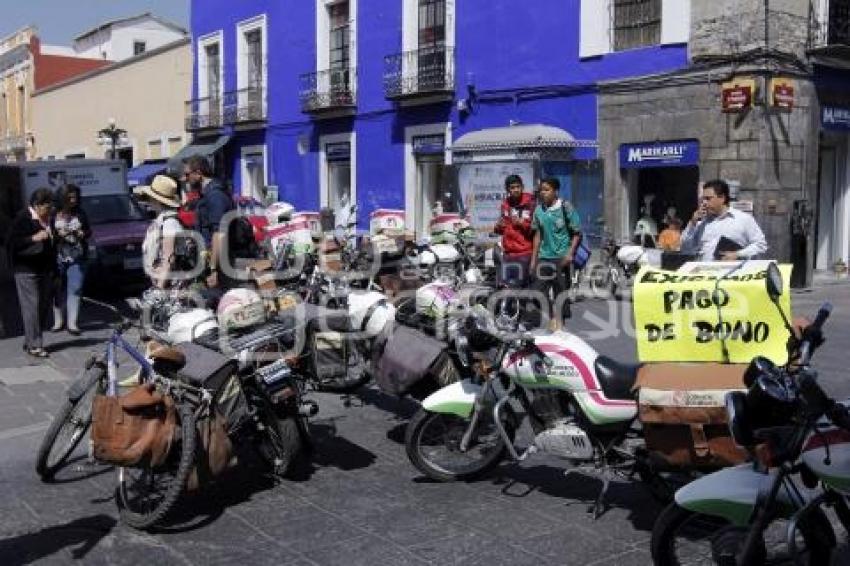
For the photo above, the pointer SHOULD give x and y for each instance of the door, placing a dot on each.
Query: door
(339, 184)
(253, 175)
(826, 209)
(429, 173)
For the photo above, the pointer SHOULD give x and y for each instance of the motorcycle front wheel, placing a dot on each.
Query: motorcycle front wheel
(433, 443)
(681, 536)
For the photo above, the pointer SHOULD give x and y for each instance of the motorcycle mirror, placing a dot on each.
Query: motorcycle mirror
(773, 282)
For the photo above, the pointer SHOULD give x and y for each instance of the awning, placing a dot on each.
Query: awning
(201, 146)
(523, 136)
(141, 174)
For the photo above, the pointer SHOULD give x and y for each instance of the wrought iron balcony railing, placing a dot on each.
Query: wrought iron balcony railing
(245, 105)
(12, 143)
(331, 89)
(204, 113)
(423, 71)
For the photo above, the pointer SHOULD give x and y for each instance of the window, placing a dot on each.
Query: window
(174, 144)
(637, 23)
(4, 115)
(337, 170)
(22, 111)
(339, 46)
(139, 47)
(75, 156)
(254, 58)
(155, 149)
(432, 44)
(839, 22)
(213, 68)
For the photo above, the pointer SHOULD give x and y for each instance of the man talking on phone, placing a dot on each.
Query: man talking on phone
(718, 232)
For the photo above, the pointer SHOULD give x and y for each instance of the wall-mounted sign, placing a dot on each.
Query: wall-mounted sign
(429, 145)
(679, 153)
(338, 151)
(482, 188)
(835, 118)
(782, 94)
(737, 95)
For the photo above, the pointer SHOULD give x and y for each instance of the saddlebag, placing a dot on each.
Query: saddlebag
(135, 429)
(682, 409)
(406, 357)
(213, 450)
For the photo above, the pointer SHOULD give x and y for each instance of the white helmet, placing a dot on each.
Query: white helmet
(188, 325)
(278, 212)
(240, 308)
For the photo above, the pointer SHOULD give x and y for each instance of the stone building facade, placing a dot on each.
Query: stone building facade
(770, 155)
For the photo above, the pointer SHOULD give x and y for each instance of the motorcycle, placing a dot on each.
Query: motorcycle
(580, 406)
(799, 441)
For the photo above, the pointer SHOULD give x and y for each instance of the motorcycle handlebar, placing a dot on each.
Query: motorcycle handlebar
(812, 334)
(820, 402)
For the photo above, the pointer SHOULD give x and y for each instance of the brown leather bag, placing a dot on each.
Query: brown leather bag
(213, 451)
(681, 407)
(133, 430)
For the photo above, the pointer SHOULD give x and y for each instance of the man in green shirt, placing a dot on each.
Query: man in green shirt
(557, 234)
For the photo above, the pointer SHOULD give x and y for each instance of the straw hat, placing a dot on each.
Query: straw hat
(162, 189)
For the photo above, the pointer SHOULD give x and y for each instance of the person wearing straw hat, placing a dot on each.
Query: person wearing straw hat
(158, 247)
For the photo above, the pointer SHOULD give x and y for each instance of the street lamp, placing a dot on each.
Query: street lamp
(112, 136)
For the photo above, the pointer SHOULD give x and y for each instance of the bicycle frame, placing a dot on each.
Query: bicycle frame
(117, 341)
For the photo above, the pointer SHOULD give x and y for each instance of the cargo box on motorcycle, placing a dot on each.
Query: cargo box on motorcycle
(682, 409)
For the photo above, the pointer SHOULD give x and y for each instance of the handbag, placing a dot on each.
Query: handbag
(582, 253)
(133, 430)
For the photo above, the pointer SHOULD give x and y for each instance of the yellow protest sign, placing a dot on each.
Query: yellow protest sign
(710, 312)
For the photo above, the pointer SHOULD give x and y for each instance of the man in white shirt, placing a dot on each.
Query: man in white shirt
(713, 220)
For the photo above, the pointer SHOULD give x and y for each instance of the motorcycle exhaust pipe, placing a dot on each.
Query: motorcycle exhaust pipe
(308, 409)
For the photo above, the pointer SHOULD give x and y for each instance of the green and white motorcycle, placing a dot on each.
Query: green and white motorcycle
(580, 406)
(769, 511)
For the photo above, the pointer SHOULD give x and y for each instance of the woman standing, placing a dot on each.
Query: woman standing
(33, 263)
(71, 230)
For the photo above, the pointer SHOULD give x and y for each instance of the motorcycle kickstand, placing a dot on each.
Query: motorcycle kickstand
(599, 504)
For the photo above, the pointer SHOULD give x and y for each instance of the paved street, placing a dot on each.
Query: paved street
(359, 502)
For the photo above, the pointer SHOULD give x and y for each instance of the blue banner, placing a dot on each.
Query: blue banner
(679, 153)
(835, 118)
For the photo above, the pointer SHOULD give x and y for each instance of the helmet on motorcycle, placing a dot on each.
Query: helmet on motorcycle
(279, 212)
(240, 308)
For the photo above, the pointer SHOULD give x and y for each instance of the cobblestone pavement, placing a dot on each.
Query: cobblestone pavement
(358, 502)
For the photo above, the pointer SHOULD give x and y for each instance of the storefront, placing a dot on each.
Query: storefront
(833, 212)
(662, 179)
(484, 158)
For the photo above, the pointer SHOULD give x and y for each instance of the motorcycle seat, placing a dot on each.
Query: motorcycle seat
(617, 380)
(203, 367)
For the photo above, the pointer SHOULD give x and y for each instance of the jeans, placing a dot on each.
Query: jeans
(71, 278)
(550, 275)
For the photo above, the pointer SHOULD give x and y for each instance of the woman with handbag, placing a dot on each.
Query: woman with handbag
(31, 249)
(557, 239)
(71, 230)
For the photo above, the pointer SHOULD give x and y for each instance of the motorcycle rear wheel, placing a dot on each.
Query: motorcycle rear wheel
(430, 434)
(284, 445)
(145, 496)
(69, 426)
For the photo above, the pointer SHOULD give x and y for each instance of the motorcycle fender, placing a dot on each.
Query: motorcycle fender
(730, 493)
(455, 399)
(80, 385)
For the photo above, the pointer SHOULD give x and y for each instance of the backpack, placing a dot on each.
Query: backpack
(582, 253)
(185, 253)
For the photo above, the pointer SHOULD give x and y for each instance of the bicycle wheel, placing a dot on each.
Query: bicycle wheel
(69, 425)
(146, 495)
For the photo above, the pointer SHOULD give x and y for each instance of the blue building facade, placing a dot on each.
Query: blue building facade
(400, 104)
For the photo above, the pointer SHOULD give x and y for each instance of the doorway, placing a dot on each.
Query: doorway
(663, 189)
(429, 180)
(254, 172)
(827, 208)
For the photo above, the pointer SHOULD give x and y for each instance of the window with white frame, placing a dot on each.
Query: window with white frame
(174, 144)
(155, 149)
(210, 66)
(339, 43)
(213, 69)
(636, 23)
(336, 48)
(607, 26)
(251, 54)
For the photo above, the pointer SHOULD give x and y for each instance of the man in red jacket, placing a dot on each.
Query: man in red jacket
(517, 238)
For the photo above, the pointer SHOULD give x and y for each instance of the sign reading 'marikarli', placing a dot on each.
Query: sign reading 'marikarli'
(718, 312)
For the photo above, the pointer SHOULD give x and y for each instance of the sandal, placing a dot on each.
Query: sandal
(37, 352)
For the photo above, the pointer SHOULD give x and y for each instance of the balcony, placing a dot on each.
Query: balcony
(13, 143)
(245, 106)
(204, 114)
(427, 72)
(333, 91)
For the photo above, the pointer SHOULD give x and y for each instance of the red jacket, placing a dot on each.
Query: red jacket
(516, 240)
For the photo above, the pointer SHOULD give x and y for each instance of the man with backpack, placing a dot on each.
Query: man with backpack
(158, 248)
(214, 203)
(557, 235)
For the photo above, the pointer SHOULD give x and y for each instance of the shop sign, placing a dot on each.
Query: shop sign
(782, 94)
(681, 153)
(835, 118)
(737, 95)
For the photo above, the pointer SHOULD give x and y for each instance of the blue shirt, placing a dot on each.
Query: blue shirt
(214, 203)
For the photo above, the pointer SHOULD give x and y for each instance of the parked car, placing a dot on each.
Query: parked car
(118, 223)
